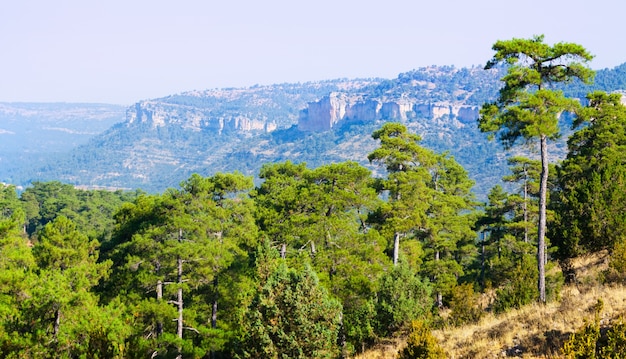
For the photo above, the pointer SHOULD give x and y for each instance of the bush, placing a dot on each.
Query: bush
(292, 316)
(421, 344)
(615, 342)
(521, 288)
(402, 298)
(463, 305)
(582, 344)
(617, 264)
(590, 343)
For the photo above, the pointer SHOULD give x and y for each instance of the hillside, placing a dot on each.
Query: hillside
(32, 134)
(162, 141)
(533, 331)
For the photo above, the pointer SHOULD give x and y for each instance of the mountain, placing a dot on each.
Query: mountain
(162, 141)
(31, 134)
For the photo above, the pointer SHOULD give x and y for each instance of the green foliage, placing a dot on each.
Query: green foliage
(464, 305)
(17, 279)
(520, 288)
(317, 216)
(527, 109)
(291, 316)
(421, 344)
(448, 236)
(591, 199)
(399, 150)
(615, 346)
(407, 164)
(91, 211)
(403, 297)
(583, 343)
(524, 107)
(617, 264)
(186, 247)
(9, 201)
(429, 200)
(59, 310)
(592, 341)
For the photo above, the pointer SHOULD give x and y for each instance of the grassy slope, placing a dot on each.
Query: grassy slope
(533, 331)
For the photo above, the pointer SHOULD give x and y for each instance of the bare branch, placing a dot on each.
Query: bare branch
(192, 329)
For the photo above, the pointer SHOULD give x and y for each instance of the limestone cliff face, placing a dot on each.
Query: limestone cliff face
(339, 108)
(159, 114)
(325, 113)
(396, 110)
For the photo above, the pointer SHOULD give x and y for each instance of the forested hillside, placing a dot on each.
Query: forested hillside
(163, 141)
(320, 262)
(287, 247)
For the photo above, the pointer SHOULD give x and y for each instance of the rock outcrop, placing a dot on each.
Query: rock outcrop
(159, 114)
(338, 108)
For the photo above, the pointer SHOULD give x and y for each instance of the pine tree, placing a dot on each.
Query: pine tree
(527, 108)
(291, 316)
(591, 200)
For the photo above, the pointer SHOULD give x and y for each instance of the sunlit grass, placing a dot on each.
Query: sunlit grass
(534, 331)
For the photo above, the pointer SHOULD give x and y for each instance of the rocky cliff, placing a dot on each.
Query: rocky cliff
(433, 93)
(162, 141)
(339, 108)
(160, 114)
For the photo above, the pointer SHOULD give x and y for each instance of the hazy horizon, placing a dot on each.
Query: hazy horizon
(122, 52)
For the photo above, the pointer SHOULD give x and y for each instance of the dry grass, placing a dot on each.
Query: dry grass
(387, 350)
(535, 331)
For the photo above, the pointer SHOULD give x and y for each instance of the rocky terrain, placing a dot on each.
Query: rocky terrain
(159, 142)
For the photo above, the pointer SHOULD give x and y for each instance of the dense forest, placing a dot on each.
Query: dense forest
(326, 261)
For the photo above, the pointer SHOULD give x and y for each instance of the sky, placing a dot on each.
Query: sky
(125, 51)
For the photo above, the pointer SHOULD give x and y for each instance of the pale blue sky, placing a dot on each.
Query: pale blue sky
(123, 51)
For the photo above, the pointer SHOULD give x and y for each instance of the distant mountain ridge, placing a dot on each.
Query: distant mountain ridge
(162, 141)
(31, 134)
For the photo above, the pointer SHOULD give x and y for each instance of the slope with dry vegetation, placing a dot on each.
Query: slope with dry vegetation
(534, 331)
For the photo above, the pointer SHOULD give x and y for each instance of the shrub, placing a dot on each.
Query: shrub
(617, 264)
(402, 298)
(421, 344)
(615, 347)
(589, 343)
(582, 344)
(463, 305)
(292, 316)
(520, 289)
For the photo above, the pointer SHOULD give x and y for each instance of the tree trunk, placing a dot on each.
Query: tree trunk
(179, 329)
(342, 338)
(541, 245)
(57, 322)
(396, 248)
(483, 259)
(525, 207)
(283, 250)
(439, 296)
(214, 310)
(159, 294)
